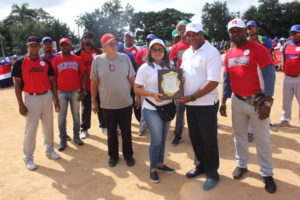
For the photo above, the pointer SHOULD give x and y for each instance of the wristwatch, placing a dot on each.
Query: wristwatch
(268, 104)
(193, 98)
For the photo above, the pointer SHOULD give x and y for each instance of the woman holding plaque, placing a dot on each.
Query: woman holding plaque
(146, 84)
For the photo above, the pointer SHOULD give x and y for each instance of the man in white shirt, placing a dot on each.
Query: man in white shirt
(202, 66)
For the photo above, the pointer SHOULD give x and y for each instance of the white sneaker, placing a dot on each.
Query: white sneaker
(282, 123)
(273, 128)
(53, 155)
(30, 165)
(84, 134)
(104, 131)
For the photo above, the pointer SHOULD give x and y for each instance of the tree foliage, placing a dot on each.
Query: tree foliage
(274, 18)
(24, 22)
(111, 18)
(215, 17)
(162, 23)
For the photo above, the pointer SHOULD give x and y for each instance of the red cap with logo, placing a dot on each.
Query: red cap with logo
(106, 38)
(64, 40)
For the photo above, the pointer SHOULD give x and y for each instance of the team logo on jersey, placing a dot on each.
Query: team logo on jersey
(239, 61)
(298, 49)
(134, 51)
(42, 63)
(246, 52)
(94, 54)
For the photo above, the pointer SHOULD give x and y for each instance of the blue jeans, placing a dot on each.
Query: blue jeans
(158, 130)
(64, 99)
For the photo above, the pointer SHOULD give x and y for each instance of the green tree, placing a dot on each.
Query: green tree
(268, 16)
(111, 18)
(22, 13)
(162, 23)
(215, 17)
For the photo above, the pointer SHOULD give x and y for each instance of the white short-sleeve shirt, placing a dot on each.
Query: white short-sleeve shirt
(147, 77)
(201, 66)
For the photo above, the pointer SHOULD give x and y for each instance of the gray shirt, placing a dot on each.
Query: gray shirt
(113, 76)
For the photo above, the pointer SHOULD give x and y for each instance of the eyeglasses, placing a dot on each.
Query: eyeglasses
(159, 50)
(113, 44)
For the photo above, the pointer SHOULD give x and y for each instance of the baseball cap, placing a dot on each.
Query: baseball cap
(194, 27)
(32, 40)
(182, 22)
(282, 39)
(64, 40)
(106, 38)
(87, 34)
(129, 33)
(236, 23)
(151, 36)
(157, 41)
(46, 39)
(295, 28)
(175, 33)
(251, 23)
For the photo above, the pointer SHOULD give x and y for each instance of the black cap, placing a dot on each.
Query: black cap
(87, 34)
(33, 39)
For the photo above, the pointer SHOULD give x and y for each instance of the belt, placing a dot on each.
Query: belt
(293, 76)
(250, 99)
(37, 94)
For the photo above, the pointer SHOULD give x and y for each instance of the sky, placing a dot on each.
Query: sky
(68, 10)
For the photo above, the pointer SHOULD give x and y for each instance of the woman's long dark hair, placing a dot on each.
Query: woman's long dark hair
(165, 62)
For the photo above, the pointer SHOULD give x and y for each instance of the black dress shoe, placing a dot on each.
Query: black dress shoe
(270, 185)
(78, 141)
(239, 172)
(194, 172)
(130, 162)
(62, 146)
(112, 162)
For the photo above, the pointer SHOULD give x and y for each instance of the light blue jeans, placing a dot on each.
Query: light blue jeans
(64, 99)
(158, 131)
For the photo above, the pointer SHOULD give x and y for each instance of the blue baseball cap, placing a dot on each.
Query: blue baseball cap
(295, 28)
(251, 23)
(46, 39)
(151, 36)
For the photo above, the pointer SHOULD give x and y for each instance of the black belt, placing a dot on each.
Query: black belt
(250, 99)
(37, 94)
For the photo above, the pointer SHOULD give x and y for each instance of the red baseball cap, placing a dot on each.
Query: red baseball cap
(106, 38)
(64, 40)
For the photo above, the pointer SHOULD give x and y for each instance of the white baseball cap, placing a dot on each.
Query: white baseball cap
(194, 27)
(236, 23)
(157, 41)
(129, 33)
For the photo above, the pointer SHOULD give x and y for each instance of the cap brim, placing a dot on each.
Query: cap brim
(32, 43)
(108, 41)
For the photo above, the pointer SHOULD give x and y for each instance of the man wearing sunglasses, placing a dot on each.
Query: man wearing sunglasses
(113, 76)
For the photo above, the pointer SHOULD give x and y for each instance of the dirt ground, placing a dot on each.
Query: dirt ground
(83, 172)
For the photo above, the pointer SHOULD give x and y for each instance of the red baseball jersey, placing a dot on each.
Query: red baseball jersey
(177, 52)
(243, 63)
(292, 59)
(141, 56)
(133, 50)
(87, 58)
(68, 71)
(34, 73)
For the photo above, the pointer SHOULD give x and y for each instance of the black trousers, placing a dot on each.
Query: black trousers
(202, 125)
(86, 109)
(121, 117)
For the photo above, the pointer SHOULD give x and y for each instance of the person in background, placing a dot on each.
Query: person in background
(87, 52)
(291, 82)
(71, 84)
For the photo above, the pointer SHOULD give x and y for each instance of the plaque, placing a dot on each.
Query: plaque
(170, 83)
